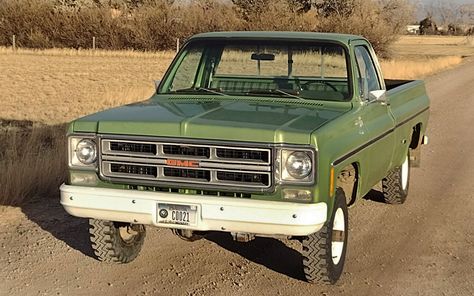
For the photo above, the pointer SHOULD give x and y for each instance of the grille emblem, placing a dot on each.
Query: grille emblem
(163, 213)
(182, 163)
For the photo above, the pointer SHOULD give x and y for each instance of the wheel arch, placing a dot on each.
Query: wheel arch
(416, 136)
(348, 178)
(415, 145)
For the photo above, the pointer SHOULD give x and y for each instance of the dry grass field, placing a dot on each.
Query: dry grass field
(415, 57)
(415, 46)
(56, 86)
(44, 89)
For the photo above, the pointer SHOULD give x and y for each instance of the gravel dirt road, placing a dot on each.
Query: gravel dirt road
(424, 247)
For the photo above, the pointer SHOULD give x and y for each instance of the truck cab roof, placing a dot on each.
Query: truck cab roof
(282, 35)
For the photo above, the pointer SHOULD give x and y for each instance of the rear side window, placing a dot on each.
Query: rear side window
(367, 75)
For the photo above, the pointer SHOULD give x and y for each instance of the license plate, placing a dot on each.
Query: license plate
(177, 214)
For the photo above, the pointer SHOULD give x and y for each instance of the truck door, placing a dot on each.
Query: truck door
(374, 115)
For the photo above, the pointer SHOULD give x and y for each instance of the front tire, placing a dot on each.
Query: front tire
(116, 242)
(395, 185)
(324, 252)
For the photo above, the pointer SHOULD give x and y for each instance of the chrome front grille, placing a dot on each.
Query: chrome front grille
(150, 162)
(130, 169)
(187, 173)
(255, 178)
(232, 153)
(133, 147)
(179, 150)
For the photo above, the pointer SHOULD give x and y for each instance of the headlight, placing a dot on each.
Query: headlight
(298, 165)
(86, 151)
(295, 165)
(82, 152)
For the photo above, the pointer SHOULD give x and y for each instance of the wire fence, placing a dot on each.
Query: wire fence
(94, 43)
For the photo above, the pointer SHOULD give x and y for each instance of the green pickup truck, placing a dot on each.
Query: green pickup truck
(251, 133)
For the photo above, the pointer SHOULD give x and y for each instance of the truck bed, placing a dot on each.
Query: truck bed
(407, 98)
(393, 83)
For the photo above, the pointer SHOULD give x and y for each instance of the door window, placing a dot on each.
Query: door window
(367, 75)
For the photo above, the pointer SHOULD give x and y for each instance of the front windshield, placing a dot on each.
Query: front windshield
(265, 68)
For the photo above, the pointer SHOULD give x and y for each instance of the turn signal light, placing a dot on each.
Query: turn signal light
(297, 194)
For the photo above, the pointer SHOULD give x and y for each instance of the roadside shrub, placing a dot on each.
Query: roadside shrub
(20, 18)
(207, 16)
(275, 15)
(155, 24)
(39, 39)
(379, 21)
(149, 25)
(151, 29)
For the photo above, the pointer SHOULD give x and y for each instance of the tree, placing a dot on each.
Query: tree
(251, 9)
(380, 21)
(467, 13)
(450, 16)
(336, 8)
(301, 6)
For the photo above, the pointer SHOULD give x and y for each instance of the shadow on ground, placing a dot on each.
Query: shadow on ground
(274, 254)
(375, 195)
(48, 214)
(32, 156)
(271, 253)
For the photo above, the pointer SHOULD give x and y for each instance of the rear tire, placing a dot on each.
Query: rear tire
(395, 185)
(116, 242)
(324, 252)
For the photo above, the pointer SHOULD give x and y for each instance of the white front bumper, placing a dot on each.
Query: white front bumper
(214, 213)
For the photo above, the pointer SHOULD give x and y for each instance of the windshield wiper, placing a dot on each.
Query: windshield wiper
(287, 93)
(216, 91)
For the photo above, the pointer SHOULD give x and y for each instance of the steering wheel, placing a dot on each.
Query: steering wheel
(323, 82)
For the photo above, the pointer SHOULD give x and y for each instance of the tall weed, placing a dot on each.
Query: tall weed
(32, 161)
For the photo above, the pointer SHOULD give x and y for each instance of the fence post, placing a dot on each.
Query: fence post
(177, 45)
(93, 43)
(14, 42)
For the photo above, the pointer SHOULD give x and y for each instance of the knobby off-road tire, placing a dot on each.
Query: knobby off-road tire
(116, 242)
(395, 185)
(324, 252)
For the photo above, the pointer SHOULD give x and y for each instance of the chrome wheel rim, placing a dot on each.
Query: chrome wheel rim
(405, 174)
(127, 233)
(338, 236)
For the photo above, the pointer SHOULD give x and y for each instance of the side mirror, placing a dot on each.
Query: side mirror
(378, 96)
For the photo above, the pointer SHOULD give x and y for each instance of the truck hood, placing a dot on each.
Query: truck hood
(255, 120)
